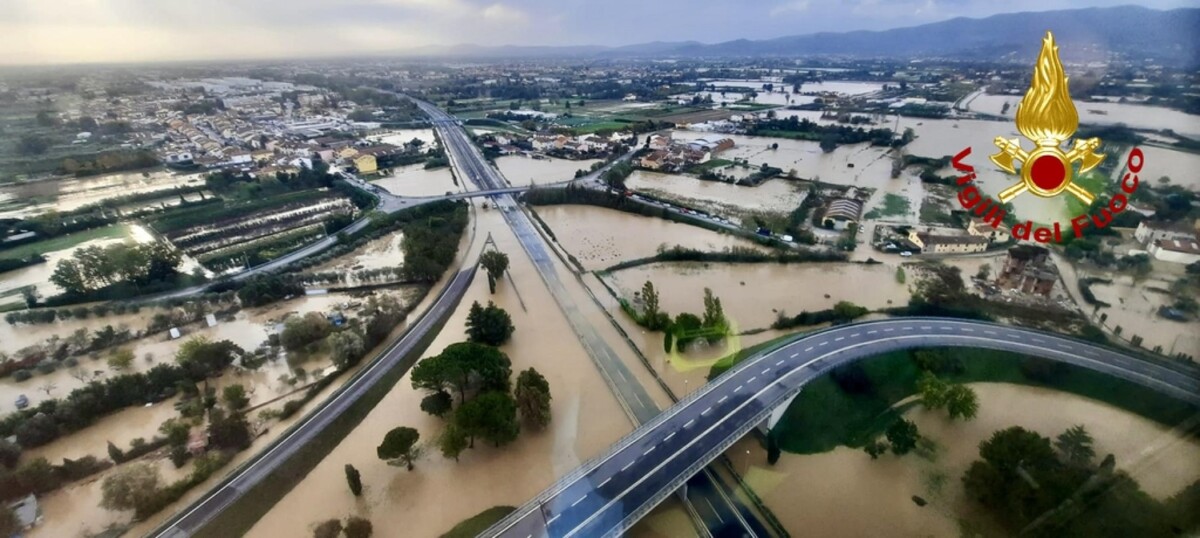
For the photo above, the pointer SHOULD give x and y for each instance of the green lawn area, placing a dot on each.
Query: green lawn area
(710, 165)
(66, 241)
(471, 527)
(588, 128)
(1095, 182)
(893, 205)
(825, 416)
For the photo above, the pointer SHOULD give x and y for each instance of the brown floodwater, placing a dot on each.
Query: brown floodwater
(416, 180)
(778, 195)
(522, 171)
(815, 492)
(430, 500)
(753, 293)
(600, 237)
(1152, 118)
(1135, 309)
(73, 193)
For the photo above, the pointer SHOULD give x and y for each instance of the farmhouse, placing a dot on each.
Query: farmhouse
(841, 213)
(1028, 268)
(1185, 251)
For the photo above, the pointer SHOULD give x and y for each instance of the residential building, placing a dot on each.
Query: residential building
(1185, 251)
(654, 160)
(981, 228)
(366, 164)
(1149, 231)
(1028, 268)
(948, 244)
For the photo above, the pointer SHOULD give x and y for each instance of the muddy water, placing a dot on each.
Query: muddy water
(815, 492)
(752, 293)
(600, 237)
(937, 138)
(1134, 115)
(386, 251)
(1134, 309)
(778, 195)
(431, 499)
(521, 171)
(68, 194)
(400, 137)
(857, 165)
(415, 180)
(1180, 166)
(39, 275)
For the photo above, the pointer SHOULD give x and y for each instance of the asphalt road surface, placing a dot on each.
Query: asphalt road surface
(606, 495)
(721, 513)
(197, 515)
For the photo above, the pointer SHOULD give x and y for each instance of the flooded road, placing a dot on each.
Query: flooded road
(523, 171)
(815, 492)
(600, 237)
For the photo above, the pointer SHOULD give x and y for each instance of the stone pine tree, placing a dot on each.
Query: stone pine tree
(495, 263)
(489, 325)
(354, 480)
(533, 397)
(399, 447)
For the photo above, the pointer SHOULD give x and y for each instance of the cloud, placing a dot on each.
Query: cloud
(503, 13)
(797, 6)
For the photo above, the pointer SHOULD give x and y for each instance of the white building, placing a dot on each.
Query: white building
(1150, 231)
(1185, 251)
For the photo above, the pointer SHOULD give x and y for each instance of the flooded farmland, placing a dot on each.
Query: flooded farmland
(600, 237)
(1135, 307)
(73, 193)
(753, 293)
(428, 500)
(522, 171)
(778, 194)
(1137, 116)
(814, 492)
(416, 180)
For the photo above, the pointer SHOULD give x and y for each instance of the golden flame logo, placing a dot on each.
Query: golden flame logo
(1047, 117)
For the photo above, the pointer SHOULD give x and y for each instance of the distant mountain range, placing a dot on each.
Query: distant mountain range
(1169, 37)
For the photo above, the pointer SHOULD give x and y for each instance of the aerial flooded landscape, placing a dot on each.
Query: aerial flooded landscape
(785, 270)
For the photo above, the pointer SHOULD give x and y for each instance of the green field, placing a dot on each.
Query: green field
(1095, 182)
(824, 416)
(893, 205)
(471, 527)
(66, 241)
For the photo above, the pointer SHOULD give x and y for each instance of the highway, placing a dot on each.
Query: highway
(607, 494)
(310, 427)
(722, 514)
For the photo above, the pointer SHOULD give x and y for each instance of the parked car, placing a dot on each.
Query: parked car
(906, 254)
(22, 402)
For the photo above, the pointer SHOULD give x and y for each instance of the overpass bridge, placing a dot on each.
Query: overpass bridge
(607, 494)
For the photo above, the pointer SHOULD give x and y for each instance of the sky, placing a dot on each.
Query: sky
(88, 31)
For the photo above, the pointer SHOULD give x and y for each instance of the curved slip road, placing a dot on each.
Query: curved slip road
(606, 495)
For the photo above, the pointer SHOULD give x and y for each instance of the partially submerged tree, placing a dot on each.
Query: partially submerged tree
(533, 397)
(399, 447)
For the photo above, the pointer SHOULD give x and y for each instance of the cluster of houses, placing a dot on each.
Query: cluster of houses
(669, 155)
(1170, 242)
(588, 146)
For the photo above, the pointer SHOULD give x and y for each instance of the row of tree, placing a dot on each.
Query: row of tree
(94, 267)
(686, 327)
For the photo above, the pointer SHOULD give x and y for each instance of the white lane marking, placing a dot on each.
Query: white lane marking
(751, 380)
(723, 398)
(794, 354)
(993, 333)
(855, 335)
(888, 330)
(739, 387)
(647, 452)
(668, 438)
(906, 329)
(1064, 346)
(551, 520)
(765, 370)
(688, 425)
(872, 332)
(1015, 336)
(823, 343)
(606, 480)
(778, 363)
(1039, 340)
(579, 501)
(1089, 352)
(966, 329)
(705, 412)
(925, 327)
(839, 339)
(809, 348)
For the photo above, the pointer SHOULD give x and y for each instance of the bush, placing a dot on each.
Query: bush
(22, 375)
(47, 367)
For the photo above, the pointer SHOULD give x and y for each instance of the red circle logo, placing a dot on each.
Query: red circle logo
(1048, 172)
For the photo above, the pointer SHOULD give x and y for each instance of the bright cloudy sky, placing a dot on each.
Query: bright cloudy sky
(69, 31)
